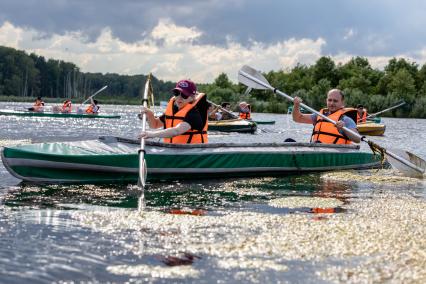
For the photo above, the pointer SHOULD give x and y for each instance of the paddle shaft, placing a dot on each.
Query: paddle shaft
(142, 177)
(97, 92)
(385, 110)
(362, 138)
(224, 109)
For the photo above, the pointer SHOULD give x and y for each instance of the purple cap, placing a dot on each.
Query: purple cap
(187, 87)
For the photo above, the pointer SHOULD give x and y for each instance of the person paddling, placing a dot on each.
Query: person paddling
(324, 131)
(38, 105)
(361, 114)
(185, 118)
(226, 111)
(93, 108)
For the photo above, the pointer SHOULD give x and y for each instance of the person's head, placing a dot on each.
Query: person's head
(95, 102)
(226, 105)
(360, 108)
(245, 107)
(39, 98)
(335, 100)
(184, 93)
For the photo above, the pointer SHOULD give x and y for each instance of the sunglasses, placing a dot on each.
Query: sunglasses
(177, 93)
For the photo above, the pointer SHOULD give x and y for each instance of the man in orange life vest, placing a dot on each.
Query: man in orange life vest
(185, 118)
(361, 114)
(324, 131)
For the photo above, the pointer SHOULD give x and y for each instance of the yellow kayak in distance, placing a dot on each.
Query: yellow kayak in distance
(371, 129)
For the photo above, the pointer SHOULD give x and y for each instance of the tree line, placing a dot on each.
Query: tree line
(25, 76)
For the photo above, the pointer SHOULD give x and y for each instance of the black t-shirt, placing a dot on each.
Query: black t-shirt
(193, 118)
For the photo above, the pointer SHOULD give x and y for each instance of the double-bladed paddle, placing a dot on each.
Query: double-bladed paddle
(142, 163)
(224, 109)
(97, 92)
(406, 162)
(387, 109)
(79, 109)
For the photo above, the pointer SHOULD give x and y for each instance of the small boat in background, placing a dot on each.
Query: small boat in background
(233, 125)
(371, 129)
(115, 160)
(264, 121)
(54, 114)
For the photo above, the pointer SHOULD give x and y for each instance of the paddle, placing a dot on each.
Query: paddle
(97, 92)
(385, 110)
(224, 109)
(142, 163)
(408, 163)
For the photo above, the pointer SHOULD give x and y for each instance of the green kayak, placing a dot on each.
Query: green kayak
(264, 121)
(54, 114)
(233, 125)
(115, 160)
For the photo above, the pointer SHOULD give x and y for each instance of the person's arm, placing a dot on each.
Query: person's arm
(153, 122)
(167, 133)
(350, 124)
(297, 115)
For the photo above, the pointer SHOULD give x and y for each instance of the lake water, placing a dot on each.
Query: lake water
(358, 226)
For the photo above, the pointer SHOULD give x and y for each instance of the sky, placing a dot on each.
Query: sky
(199, 39)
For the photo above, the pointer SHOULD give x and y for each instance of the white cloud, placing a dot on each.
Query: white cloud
(349, 34)
(171, 52)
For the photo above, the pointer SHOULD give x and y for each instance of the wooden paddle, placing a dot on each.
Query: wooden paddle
(407, 163)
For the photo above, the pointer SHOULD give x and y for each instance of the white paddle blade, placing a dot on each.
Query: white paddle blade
(252, 78)
(407, 163)
(142, 171)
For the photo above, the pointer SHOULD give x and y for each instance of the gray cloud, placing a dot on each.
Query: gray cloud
(379, 28)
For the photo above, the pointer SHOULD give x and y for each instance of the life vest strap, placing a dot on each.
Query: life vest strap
(344, 137)
(174, 117)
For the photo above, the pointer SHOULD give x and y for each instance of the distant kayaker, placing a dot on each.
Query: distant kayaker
(38, 105)
(245, 110)
(93, 108)
(226, 111)
(185, 118)
(65, 108)
(361, 114)
(324, 131)
(213, 113)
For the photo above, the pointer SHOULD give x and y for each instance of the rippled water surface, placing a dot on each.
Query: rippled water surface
(354, 226)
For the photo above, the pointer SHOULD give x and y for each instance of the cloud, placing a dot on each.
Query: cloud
(173, 52)
(349, 34)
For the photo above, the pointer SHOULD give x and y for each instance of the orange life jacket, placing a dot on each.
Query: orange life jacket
(326, 132)
(66, 107)
(90, 109)
(362, 119)
(191, 136)
(245, 115)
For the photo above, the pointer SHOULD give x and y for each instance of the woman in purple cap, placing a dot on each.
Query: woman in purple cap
(185, 118)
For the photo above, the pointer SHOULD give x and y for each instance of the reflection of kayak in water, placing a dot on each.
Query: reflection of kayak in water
(54, 114)
(115, 160)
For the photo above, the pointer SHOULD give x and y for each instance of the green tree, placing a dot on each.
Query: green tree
(222, 81)
(325, 68)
